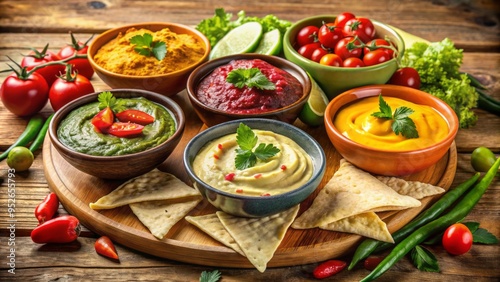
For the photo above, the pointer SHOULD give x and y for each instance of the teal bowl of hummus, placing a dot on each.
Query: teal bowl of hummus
(104, 155)
(269, 186)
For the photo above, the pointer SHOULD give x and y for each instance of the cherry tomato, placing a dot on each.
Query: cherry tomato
(375, 57)
(329, 35)
(361, 27)
(125, 129)
(342, 51)
(82, 65)
(104, 246)
(457, 239)
(353, 62)
(135, 116)
(307, 50)
(331, 60)
(318, 53)
(307, 35)
(406, 76)
(342, 18)
(378, 42)
(67, 88)
(24, 96)
(36, 58)
(103, 120)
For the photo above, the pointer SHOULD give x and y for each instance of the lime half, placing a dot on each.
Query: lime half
(242, 39)
(314, 109)
(271, 43)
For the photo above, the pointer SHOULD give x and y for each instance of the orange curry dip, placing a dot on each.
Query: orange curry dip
(118, 55)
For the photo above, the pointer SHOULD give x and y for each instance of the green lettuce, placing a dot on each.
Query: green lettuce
(438, 65)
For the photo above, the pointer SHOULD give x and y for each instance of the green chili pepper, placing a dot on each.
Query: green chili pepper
(458, 212)
(31, 131)
(369, 246)
(41, 135)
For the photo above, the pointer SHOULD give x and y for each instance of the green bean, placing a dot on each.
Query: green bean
(369, 246)
(31, 131)
(41, 135)
(460, 211)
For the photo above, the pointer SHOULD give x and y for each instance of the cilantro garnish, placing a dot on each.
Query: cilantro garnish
(401, 122)
(147, 47)
(106, 99)
(251, 77)
(212, 276)
(245, 155)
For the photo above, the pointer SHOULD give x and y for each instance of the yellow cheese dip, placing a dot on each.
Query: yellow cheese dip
(286, 171)
(118, 55)
(355, 121)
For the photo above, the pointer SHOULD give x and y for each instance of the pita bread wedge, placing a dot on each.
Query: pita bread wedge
(160, 216)
(414, 189)
(211, 225)
(259, 238)
(366, 224)
(152, 186)
(349, 192)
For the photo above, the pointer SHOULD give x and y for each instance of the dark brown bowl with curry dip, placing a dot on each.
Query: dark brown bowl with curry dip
(104, 155)
(215, 100)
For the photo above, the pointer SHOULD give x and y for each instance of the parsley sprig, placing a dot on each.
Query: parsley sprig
(401, 122)
(210, 276)
(245, 155)
(251, 77)
(107, 99)
(145, 45)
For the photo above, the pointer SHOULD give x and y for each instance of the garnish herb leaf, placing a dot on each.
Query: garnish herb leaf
(251, 77)
(483, 236)
(246, 140)
(402, 123)
(147, 47)
(107, 99)
(424, 260)
(212, 276)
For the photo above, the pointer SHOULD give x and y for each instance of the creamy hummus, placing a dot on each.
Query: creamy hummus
(286, 171)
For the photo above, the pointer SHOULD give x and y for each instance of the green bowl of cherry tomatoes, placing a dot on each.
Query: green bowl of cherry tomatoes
(345, 51)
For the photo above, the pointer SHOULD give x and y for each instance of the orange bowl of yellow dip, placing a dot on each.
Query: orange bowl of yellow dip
(370, 142)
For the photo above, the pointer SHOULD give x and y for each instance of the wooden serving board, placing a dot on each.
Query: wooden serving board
(186, 243)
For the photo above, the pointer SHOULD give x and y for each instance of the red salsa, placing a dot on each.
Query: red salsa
(215, 92)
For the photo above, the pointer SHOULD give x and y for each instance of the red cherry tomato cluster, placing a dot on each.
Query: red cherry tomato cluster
(349, 41)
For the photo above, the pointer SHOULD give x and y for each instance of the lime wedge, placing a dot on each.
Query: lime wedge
(271, 43)
(242, 39)
(314, 109)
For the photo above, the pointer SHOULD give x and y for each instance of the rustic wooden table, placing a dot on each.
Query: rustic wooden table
(472, 25)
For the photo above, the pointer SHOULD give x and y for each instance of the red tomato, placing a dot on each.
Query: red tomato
(329, 35)
(36, 58)
(361, 27)
(343, 52)
(79, 64)
(318, 54)
(331, 60)
(378, 42)
(67, 88)
(457, 239)
(103, 120)
(125, 129)
(135, 116)
(353, 62)
(342, 18)
(24, 97)
(307, 35)
(307, 50)
(406, 77)
(375, 57)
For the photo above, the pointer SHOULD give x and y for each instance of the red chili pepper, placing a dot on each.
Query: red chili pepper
(63, 229)
(47, 208)
(329, 268)
(104, 246)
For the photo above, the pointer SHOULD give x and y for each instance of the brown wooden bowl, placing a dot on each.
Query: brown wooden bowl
(211, 116)
(385, 161)
(167, 84)
(122, 166)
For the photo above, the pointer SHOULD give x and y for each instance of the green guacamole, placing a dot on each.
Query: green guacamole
(77, 132)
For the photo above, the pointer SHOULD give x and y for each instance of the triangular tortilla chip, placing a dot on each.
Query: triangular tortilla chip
(349, 192)
(211, 225)
(152, 186)
(160, 216)
(260, 237)
(366, 224)
(414, 189)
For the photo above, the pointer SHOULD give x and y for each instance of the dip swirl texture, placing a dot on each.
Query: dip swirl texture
(288, 170)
